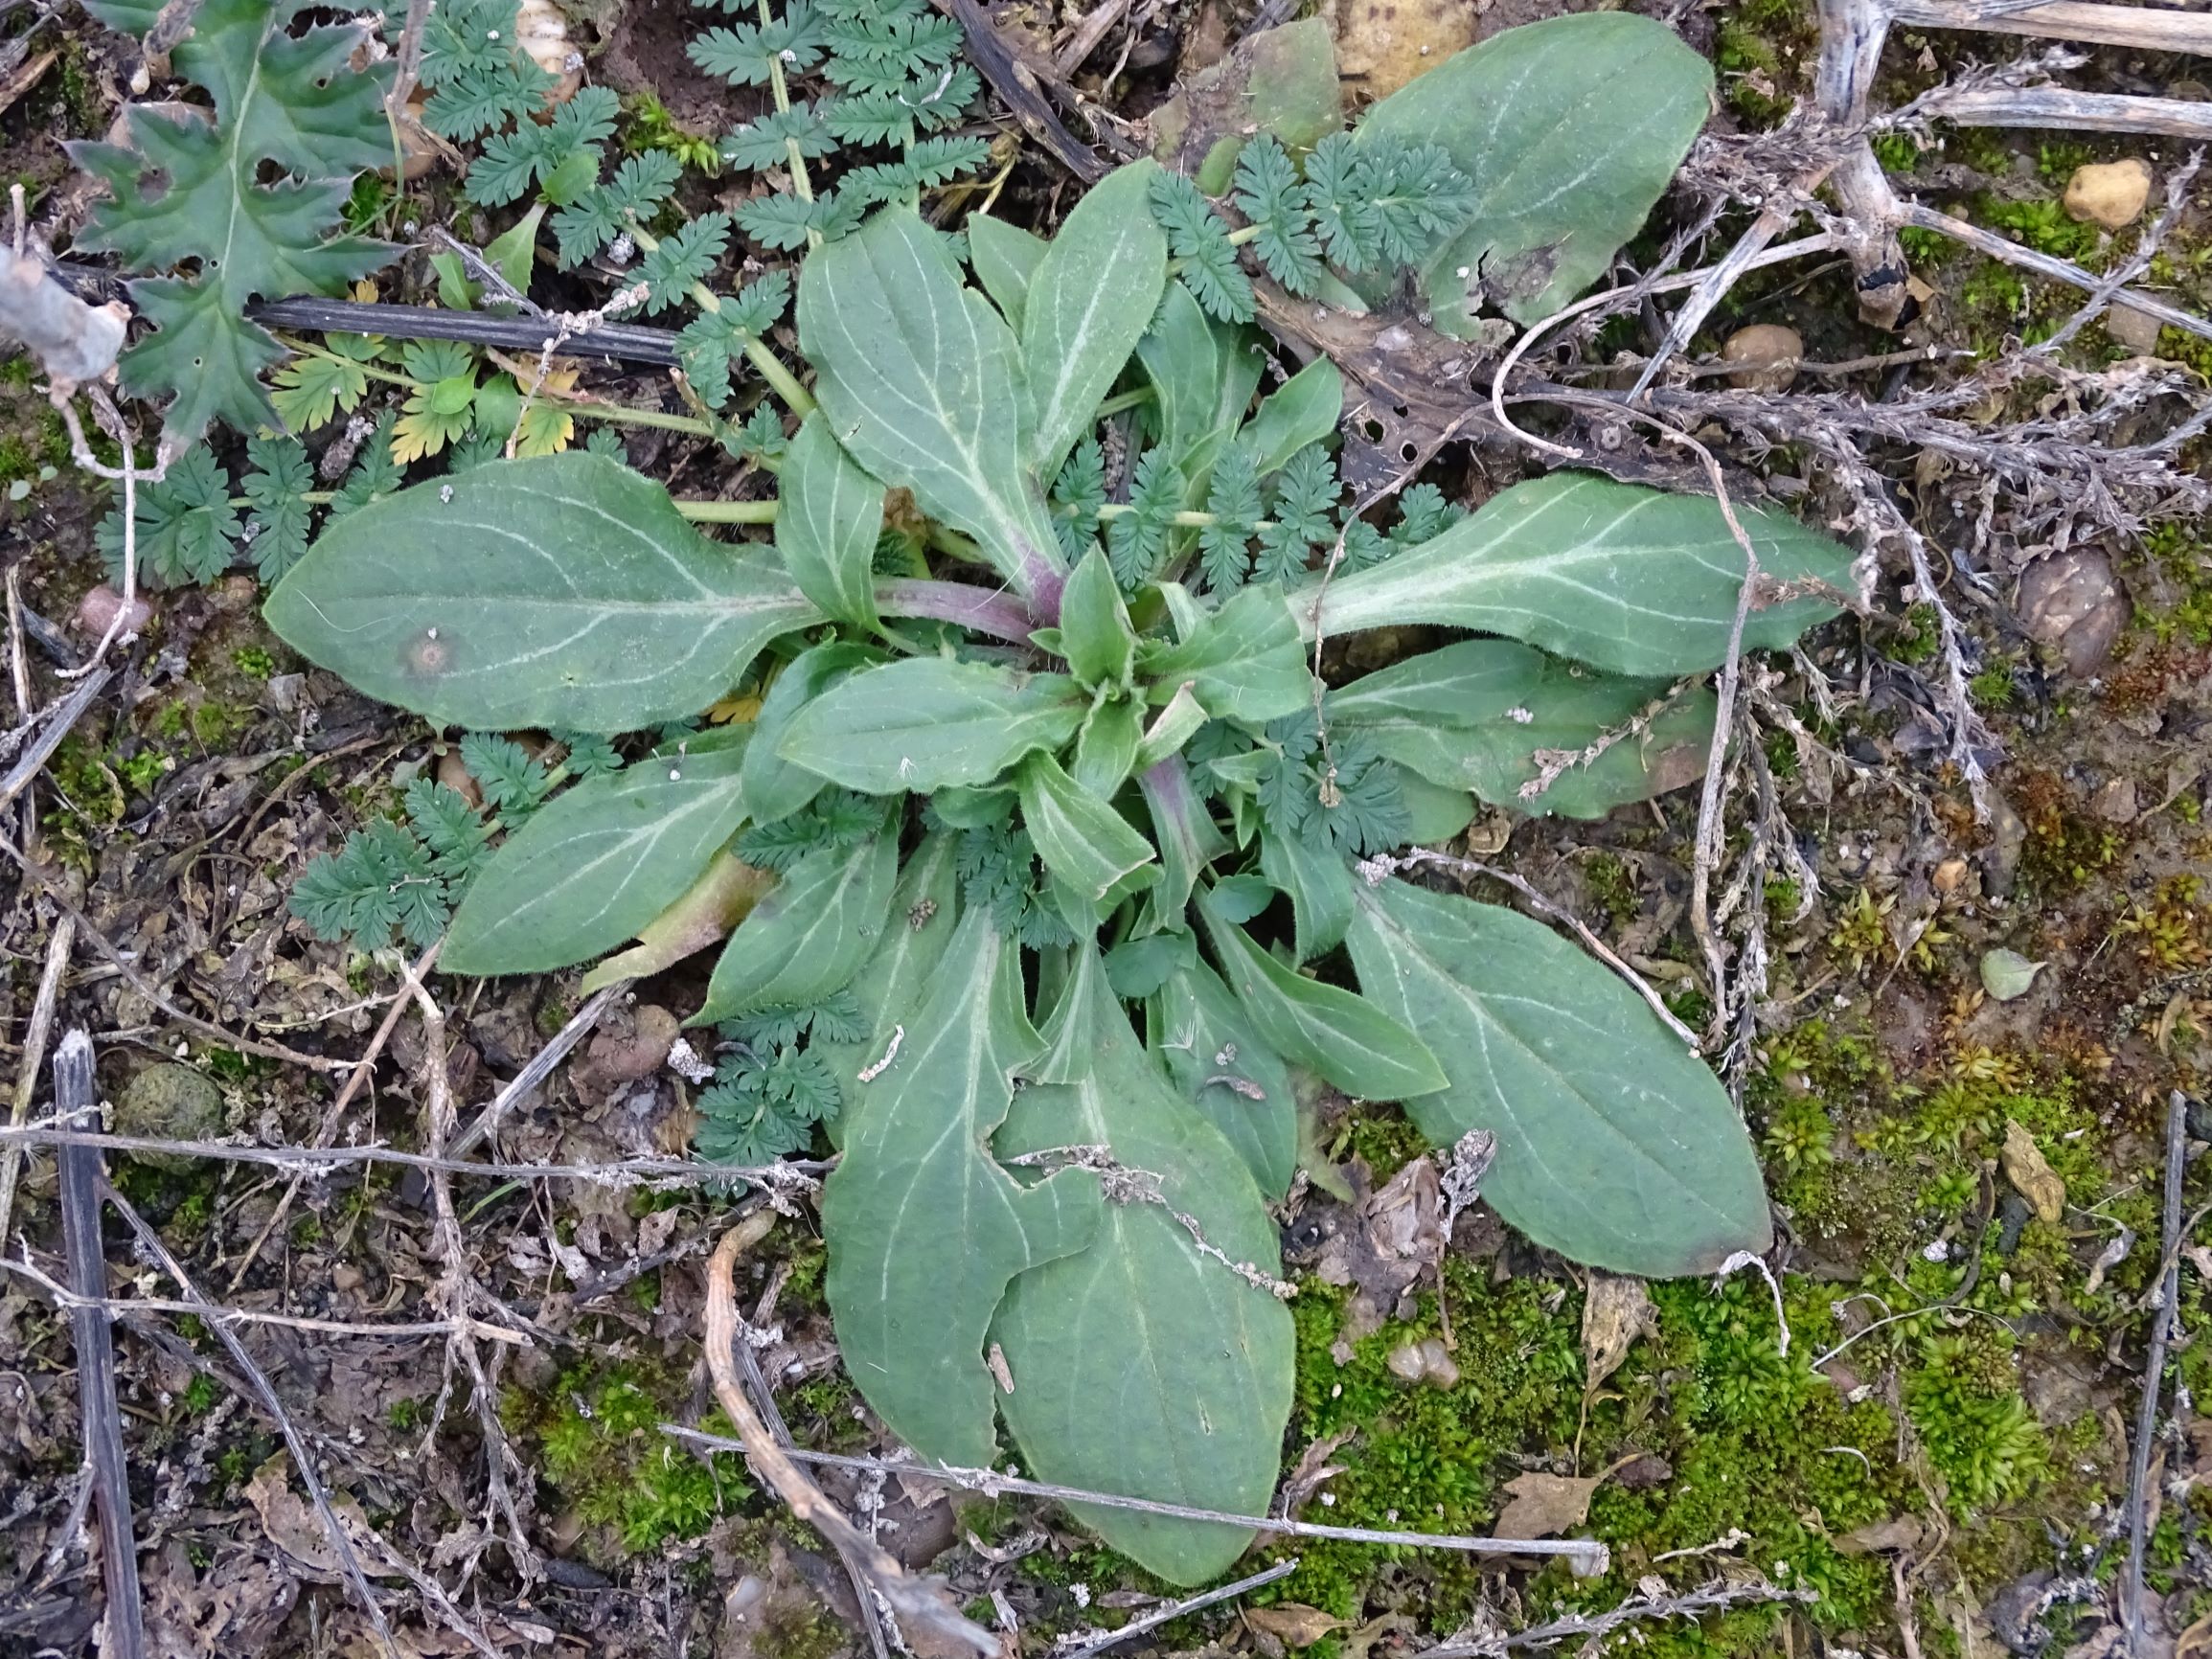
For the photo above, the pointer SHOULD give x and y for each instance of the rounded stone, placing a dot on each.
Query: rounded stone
(1769, 353)
(167, 1102)
(2111, 193)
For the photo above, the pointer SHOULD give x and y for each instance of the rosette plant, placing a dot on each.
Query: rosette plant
(1051, 877)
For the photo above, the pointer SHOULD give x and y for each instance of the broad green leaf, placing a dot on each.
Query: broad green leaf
(1192, 1406)
(565, 591)
(920, 381)
(1174, 726)
(1081, 839)
(1088, 303)
(705, 912)
(1628, 579)
(514, 252)
(1303, 410)
(809, 937)
(1437, 813)
(1479, 714)
(1106, 749)
(898, 978)
(1569, 130)
(1138, 967)
(828, 517)
(1203, 373)
(247, 202)
(928, 723)
(776, 787)
(923, 1228)
(596, 864)
(1324, 1027)
(1616, 1145)
(1320, 883)
(1095, 635)
(1004, 257)
(1186, 834)
(1244, 661)
(1221, 1065)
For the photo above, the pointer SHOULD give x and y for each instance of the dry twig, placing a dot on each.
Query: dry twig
(932, 1623)
(1584, 1557)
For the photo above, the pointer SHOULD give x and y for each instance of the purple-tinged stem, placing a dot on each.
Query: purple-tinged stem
(986, 610)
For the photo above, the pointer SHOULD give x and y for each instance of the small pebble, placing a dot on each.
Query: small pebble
(1759, 348)
(2111, 193)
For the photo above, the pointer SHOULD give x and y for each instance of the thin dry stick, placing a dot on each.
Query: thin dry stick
(334, 1528)
(1375, 869)
(75, 1092)
(2134, 264)
(1584, 1555)
(1710, 830)
(1820, 243)
(2147, 28)
(1078, 1647)
(2050, 106)
(1712, 1598)
(328, 1131)
(59, 725)
(459, 1294)
(1982, 241)
(763, 1399)
(2153, 1365)
(119, 1305)
(35, 1037)
(924, 1607)
(798, 1174)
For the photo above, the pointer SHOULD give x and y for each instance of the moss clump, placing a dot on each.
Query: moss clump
(603, 1449)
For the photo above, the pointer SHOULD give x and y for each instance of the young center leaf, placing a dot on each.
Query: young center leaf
(1087, 306)
(1477, 715)
(1005, 258)
(928, 723)
(1303, 410)
(1085, 844)
(1203, 374)
(829, 516)
(920, 380)
(1628, 579)
(1616, 1145)
(565, 591)
(810, 935)
(1141, 1364)
(775, 787)
(1569, 130)
(1244, 661)
(596, 864)
(923, 1228)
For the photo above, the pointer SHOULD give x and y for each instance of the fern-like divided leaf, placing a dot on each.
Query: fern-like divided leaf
(892, 74)
(477, 74)
(770, 1092)
(184, 191)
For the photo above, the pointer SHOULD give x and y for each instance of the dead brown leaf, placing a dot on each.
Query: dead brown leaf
(1901, 1534)
(292, 1525)
(2031, 1176)
(714, 903)
(1543, 1505)
(1616, 1311)
(1292, 1623)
